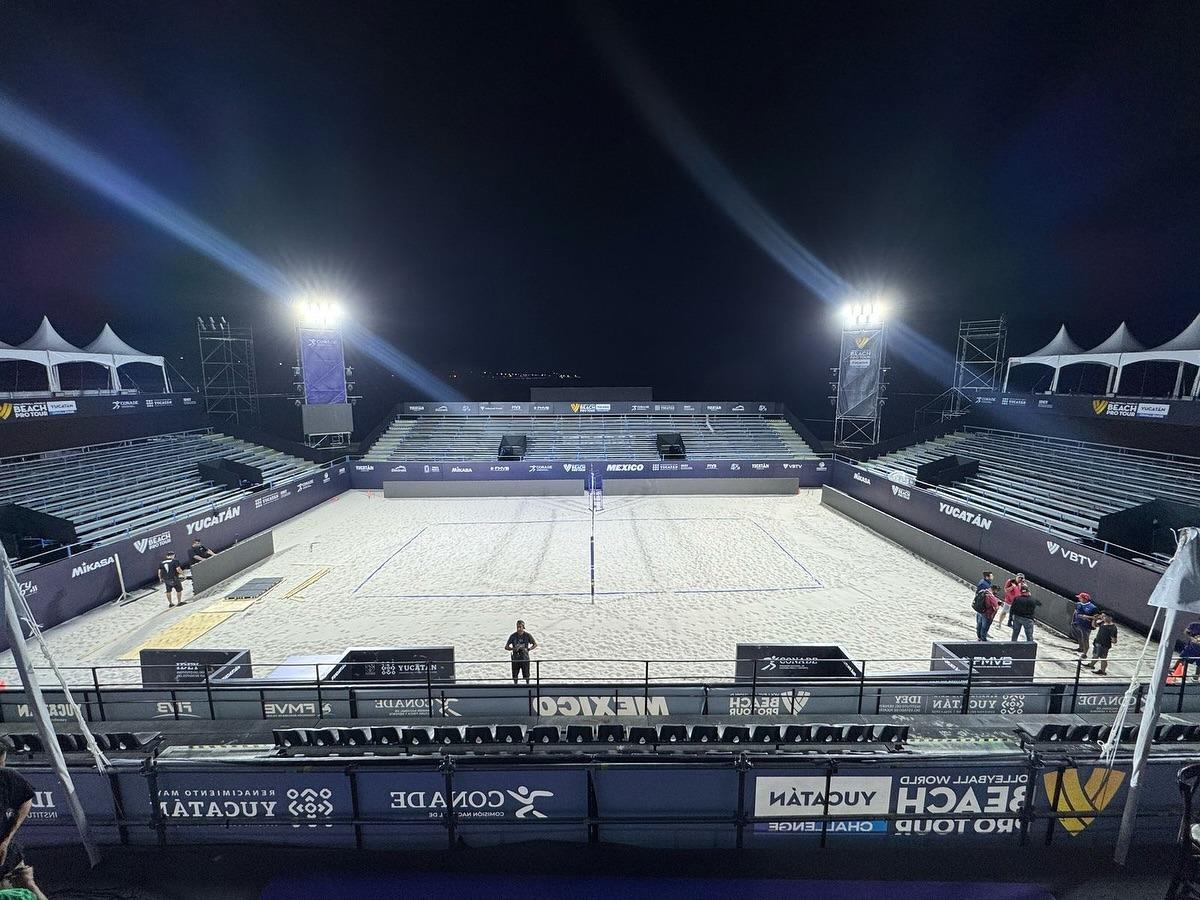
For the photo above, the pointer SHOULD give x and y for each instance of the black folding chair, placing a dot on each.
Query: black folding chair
(1185, 883)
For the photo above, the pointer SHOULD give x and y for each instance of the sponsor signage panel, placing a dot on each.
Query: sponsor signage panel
(631, 791)
(278, 806)
(191, 666)
(1061, 565)
(65, 588)
(366, 475)
(49, 820)
(1170, 411)
(616, 408)
(768, 663)
(398, 664)
(15, 412)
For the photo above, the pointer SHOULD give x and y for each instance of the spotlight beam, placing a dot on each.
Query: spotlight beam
(668, 123)
(62, 152)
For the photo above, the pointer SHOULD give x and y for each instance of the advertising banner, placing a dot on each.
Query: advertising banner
(615, 408)
(858, 372)
(372, 475)
(955, 801)
(323, 364)
(35, 426)
(275, 806)
(489, 807)
(63, 589)
(399, 664)
(781, 662)
(1060, 564)
(49, 820)
(1098, 407)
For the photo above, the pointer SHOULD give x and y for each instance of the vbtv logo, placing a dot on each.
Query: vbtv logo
(1068, 795)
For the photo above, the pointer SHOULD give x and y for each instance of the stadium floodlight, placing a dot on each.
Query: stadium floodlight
(865, 312)
(318, 311)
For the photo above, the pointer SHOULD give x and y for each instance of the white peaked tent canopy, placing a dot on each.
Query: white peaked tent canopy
(1119, 350)
(50, 349)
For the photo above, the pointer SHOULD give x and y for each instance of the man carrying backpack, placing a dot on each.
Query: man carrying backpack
(986, 604)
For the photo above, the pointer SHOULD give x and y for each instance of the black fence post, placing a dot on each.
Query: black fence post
(352, 772)
(966, 704)
(646, 688)
(742, 764)
(862, 681)
(99, 694)
(1075, 683)
(320, 700)
(212, 709)
(447, 766)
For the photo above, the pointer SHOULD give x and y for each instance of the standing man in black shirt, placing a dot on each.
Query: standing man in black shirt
(16, 799)
(170, 574)
(520, 642)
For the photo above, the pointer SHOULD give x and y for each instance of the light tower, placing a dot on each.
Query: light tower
(859, 388)
(321, 373)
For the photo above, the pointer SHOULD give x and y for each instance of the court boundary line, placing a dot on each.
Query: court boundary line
(389, 559)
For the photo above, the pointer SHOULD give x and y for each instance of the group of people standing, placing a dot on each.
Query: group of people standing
(1017, 604)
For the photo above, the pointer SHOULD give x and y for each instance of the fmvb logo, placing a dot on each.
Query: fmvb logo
(5, 411)
(1069, 796)
(861, 341)
(1099, 406)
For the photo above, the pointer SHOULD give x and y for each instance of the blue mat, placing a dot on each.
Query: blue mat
(506, 886)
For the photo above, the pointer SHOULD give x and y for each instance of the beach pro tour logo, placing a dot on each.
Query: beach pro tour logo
(902, 493)
(141, 545)
(1099, 406)
(5, 411)
(591, 407)
(1080, 802)
(861, 341)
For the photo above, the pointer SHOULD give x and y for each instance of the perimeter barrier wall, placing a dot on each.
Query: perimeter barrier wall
(68, 587)
(725, 799)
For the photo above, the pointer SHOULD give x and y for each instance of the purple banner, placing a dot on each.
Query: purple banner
(1055, 562)
(372, 475)
(64, 589)
(323, 362)
(614, 408)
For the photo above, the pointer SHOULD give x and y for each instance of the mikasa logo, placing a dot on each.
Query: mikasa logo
(86, 567)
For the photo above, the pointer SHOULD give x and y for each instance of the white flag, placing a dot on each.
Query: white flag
(1179, 587)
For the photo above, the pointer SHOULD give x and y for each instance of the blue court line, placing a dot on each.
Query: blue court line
(789, 555)
(607, 520)
(388, 560)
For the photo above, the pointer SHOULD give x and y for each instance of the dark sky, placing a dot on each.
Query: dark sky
(476, 178)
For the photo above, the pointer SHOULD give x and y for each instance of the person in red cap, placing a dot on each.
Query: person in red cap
(1081, 622)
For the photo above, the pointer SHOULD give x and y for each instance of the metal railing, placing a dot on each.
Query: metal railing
(639, 687)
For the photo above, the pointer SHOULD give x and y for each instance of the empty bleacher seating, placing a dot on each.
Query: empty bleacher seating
(1060, 485)
(112, 490)
(586, 437)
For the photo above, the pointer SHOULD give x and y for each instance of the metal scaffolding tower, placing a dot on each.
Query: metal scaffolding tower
(227, 369)
(978, 361)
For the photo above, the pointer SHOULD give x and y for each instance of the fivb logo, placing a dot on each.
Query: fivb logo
(141, 545)
(85, 568)
(209, 521)
(1081, 802)
(1055, 549)
(5, 411)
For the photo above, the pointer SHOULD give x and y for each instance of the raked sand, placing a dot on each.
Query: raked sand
(676, 578)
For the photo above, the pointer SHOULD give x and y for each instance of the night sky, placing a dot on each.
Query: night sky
(475, 178)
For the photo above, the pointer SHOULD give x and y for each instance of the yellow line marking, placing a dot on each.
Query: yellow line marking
(181, 633)
(308, 582)
(229, 606)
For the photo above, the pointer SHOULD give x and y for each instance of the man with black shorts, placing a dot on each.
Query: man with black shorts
(520, 642)
(16, 799)
(170, 574)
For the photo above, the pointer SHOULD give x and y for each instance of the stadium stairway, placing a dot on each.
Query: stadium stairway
(1059, 485)
(588, 437)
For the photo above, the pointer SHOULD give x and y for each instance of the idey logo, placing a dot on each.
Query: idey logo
(528, 798)
(1099, 406)
(1069, 796)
